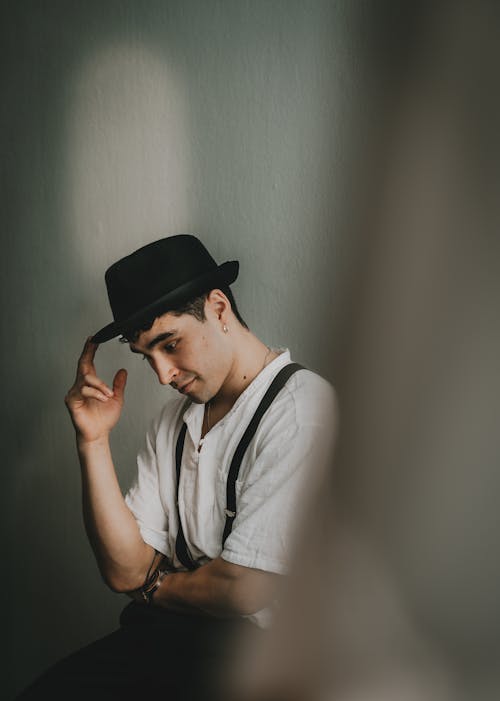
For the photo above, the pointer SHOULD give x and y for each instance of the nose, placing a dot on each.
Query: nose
(166, 371)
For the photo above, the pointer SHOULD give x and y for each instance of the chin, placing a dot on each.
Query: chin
(196, 396)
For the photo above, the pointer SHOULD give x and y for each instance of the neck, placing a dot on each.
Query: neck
(251, 355)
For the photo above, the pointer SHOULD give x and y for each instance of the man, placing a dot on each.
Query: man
(203, 536)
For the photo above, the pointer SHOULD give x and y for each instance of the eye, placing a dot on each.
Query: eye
(170, 347)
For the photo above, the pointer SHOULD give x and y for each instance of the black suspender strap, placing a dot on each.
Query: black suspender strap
(274, 388)
(181, 549)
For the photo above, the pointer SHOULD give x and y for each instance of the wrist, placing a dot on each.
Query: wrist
(85, 444)
(148, 591)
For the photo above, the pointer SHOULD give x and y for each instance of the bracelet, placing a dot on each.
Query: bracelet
(148, 589)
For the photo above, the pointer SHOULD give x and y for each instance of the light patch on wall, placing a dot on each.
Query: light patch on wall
(128, 155)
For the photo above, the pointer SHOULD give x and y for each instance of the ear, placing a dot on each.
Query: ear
(218, 304)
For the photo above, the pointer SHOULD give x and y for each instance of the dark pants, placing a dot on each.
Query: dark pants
(154, 651)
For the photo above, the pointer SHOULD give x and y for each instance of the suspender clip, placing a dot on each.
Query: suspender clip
(230, 514)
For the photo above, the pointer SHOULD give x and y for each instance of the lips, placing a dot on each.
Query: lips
(185, 388)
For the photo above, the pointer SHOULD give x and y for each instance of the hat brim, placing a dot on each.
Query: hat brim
(224, 274)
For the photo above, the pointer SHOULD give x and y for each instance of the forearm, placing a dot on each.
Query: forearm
(122, 556)
(218, 588)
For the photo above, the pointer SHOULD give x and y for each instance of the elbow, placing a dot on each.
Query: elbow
(123, 579)
(246, 606)
(248, 590)
(246, 599)
(116, 587)
(121, 585)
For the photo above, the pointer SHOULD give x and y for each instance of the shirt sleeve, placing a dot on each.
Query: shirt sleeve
(143, 498)
(271, 498)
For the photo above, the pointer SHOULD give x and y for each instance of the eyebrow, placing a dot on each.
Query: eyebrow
(157, 339)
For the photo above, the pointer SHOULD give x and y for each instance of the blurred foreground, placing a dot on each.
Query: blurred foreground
(395, 591)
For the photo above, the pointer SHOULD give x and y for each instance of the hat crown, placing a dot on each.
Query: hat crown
(154, 270)
(166, 272)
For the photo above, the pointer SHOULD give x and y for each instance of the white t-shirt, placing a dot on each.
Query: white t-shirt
(286, 455)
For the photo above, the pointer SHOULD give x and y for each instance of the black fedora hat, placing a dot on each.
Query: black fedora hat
(163, 274)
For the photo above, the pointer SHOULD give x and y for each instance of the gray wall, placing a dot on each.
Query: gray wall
(374, 259)
(123, 122)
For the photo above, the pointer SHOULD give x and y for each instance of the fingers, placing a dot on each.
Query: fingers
(86, 360)
(88, 386)
(86, 376)
(92, 393)
(91, 380)
(119, 383)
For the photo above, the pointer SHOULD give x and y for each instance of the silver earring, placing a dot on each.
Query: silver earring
(225, 329)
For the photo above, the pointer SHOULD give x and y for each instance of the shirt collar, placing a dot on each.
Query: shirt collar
(193, 416)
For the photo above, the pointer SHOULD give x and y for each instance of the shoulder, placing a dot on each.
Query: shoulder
(304, 412)
(309, 397)
(305, 382)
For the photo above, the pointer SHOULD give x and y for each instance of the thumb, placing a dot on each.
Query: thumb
(119, 382)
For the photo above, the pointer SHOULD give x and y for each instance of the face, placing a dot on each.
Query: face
(192, 356)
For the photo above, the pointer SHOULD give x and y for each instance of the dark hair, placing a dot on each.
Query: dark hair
(194, 306)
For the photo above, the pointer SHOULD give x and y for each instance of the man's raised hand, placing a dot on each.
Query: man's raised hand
(93, 406)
